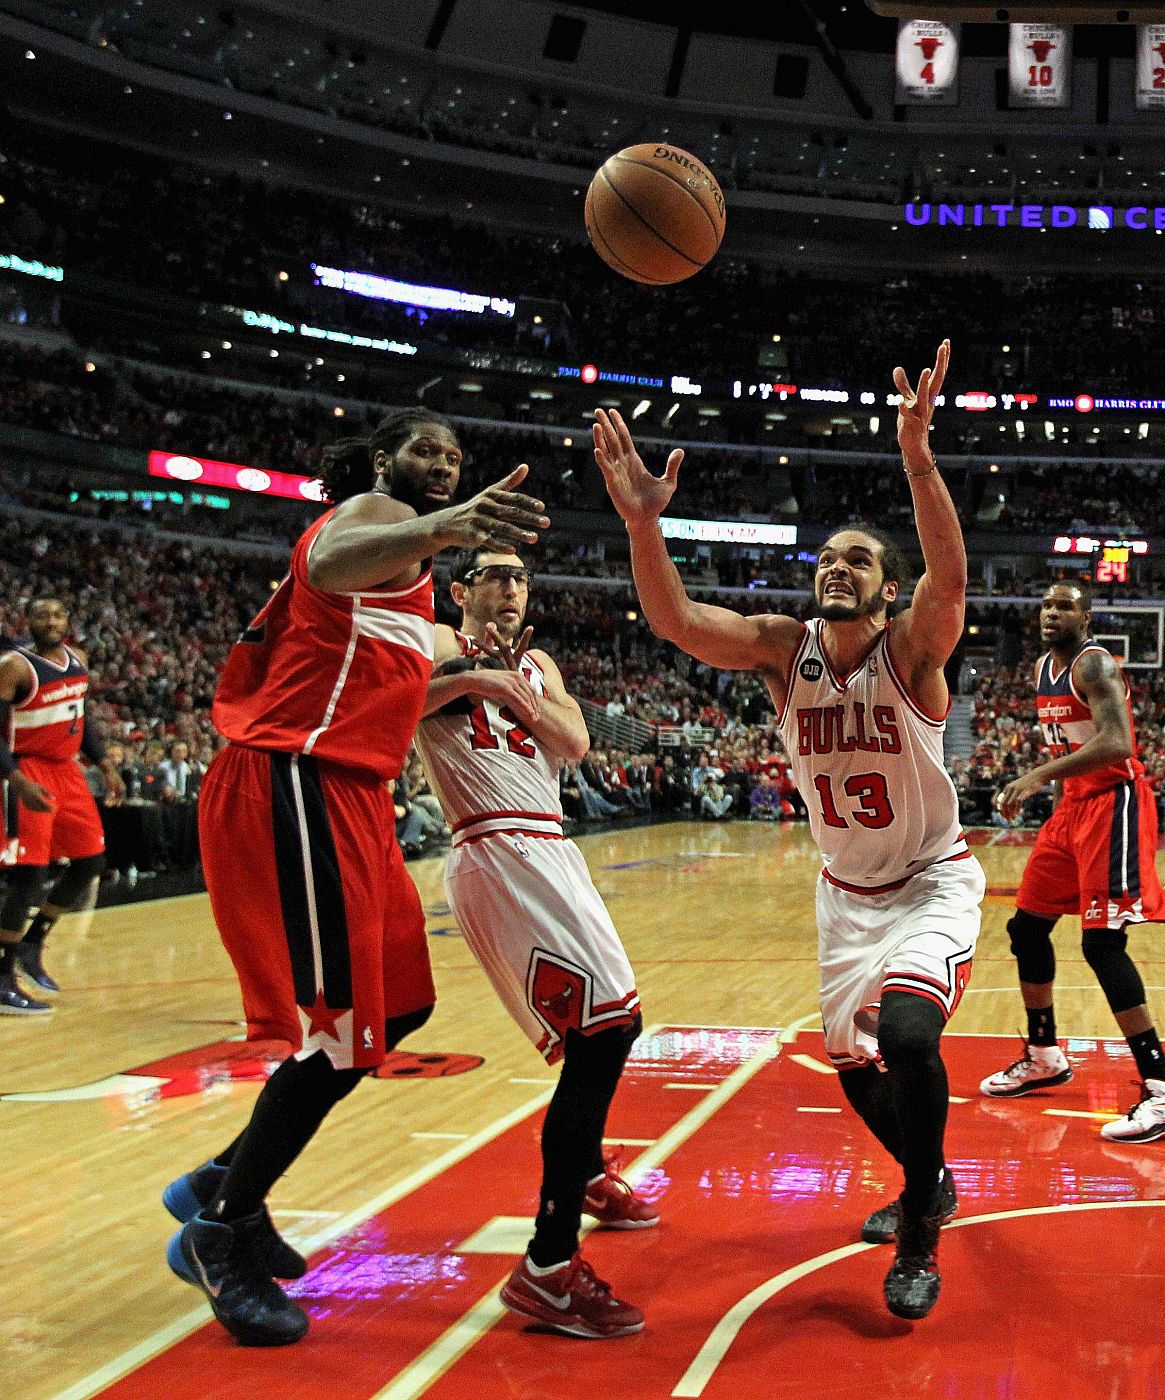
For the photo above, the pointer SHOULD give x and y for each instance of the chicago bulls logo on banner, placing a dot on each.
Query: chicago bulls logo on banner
(927, 64)
(1039, 62)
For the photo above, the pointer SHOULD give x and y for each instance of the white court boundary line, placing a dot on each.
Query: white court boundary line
(172, 1332)
(182, 1326)
(720, 1339)
(432, 1363)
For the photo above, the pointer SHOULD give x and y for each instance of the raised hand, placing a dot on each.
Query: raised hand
(508, 653)
(509, 690)
(917, 406)
(637, 495)
(496, 518)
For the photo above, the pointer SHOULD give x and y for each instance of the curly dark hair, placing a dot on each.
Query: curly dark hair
(894, 566)
(346, 467)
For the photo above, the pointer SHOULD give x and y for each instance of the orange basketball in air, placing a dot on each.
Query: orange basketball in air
(655, 214)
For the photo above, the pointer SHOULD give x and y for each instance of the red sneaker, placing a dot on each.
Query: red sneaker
(614, 1203)
(570, 1300)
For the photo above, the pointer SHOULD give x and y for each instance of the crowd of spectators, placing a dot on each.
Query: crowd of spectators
(156, 616)
(52, 391)
(215, 237)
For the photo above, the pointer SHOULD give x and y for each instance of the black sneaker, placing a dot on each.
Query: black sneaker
(14, 1002)
(221, 1259)
(189, 1194)
(30, 964)
(881, 1227)
(913, 1283)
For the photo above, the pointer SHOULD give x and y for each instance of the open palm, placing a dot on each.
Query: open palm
(636, 493)
(917, 406)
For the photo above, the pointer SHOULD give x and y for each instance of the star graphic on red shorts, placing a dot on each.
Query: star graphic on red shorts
(1126, 906)
(322, 1018)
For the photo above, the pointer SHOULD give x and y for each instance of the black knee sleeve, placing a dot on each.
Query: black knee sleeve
(315, 1082)
(603, 1054)
(1105, 953)
(397, 1027)
(909, 1029)
(1031, 942)
(75, 880)
(25, 891)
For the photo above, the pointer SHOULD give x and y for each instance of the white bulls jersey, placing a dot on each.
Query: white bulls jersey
(486, 771)
(869, 764)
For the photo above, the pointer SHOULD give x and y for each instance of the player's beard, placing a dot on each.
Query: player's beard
(508, 629)
(849, 609)
(1066, 640)
(403, 486)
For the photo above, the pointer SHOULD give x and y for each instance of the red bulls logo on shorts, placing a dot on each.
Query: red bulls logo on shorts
(559, 994)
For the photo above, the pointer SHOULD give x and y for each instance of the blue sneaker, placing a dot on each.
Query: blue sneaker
(222, 1260)
(15, 1002)
(187, 1195)
(30, 964)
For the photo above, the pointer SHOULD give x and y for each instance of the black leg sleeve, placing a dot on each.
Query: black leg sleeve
(294, 1102)
(572, 1136)
(909, 1031)
(868, 1091)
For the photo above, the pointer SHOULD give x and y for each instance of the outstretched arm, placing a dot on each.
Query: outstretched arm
(376, 540)
(719, 636)
(927, 633)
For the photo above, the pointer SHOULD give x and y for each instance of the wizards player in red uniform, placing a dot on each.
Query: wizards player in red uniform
(319, 700)
(1093, 857)
(49, 810)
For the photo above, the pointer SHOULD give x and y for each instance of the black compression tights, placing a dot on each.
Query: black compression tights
(906, 1107)
(287, 1114)
(572, 1136)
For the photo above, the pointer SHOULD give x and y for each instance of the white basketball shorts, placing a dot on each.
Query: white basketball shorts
(919, 938)
(534, 920)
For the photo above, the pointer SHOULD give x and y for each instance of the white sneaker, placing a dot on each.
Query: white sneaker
(1042, 1067)
(1145, 1121)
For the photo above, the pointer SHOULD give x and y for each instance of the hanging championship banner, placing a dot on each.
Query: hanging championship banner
(1150, 66)
(1039, 61)
(927, 65)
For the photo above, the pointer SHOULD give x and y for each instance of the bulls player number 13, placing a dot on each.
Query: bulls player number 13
(862, 703)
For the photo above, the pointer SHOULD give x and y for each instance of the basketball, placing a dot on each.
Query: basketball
(655, 214)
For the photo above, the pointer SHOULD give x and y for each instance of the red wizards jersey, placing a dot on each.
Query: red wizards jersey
(342, 676)
(50, 721)
(1067, 724)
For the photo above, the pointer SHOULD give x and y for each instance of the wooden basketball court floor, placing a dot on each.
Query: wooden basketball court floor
(416, 1198)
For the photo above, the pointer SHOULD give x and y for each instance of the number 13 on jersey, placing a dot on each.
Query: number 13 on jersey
(868, 792)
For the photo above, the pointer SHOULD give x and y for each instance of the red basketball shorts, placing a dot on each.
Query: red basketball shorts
(1095, 856)
(313, 902)
(71, 831)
